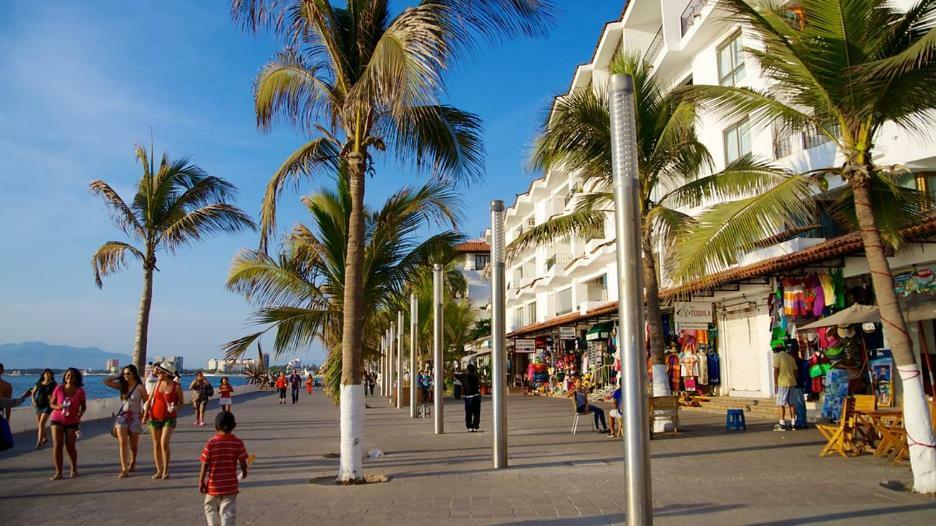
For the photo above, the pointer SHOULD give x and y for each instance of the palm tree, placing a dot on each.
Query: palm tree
(844, 70)
(671, 162)
(300, 292)
(174, 206)
(361, 79)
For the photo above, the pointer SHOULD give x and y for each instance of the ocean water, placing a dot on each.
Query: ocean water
(94, 384)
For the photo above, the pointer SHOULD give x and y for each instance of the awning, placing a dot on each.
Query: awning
(599, 331)
(855, 314)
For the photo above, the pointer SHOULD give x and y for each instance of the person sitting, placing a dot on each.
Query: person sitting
(617, 419)
(582, 406)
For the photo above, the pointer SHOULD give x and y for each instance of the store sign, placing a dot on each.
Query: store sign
(922, 280)
(566, 333)
(692, 315)
(525, 346)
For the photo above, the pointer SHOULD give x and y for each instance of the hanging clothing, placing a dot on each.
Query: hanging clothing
(714, 369)
(828, 290)
(703, 367)
(838, 281)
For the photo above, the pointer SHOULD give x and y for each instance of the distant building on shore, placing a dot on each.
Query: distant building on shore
(216, 365)
(174, 360)
(111, 366)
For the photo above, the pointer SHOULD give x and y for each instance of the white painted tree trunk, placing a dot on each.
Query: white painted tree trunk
(351, 464)
(661, 387)
(919, 430)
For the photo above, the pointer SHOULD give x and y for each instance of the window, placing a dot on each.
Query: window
(531, 313)
(730, 62)
(813, 138)
(737, 141)
(481, 261)
(564, 301)
(782, 145)
(518, 317)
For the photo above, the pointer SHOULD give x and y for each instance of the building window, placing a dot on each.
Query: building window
(730, 62)
(564, 301)
(481, 261)
(813, 138)
(531, 313)
(518, 317)
(782, 143)
(737, 141)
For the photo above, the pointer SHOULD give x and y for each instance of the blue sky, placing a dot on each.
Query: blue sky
(84, 81)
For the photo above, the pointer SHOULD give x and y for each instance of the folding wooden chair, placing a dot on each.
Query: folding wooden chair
(864, 425)
(664, 407)
(840, 437)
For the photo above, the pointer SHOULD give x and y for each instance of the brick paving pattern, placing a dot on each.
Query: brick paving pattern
(705, 476)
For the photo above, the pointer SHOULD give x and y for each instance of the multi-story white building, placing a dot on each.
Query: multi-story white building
(176, 361)
(474, 256)
(571, 283)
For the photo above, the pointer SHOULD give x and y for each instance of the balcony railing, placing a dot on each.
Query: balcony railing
(692, 14)
(656, 45)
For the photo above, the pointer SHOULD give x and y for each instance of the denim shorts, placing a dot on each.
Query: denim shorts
(129, 420)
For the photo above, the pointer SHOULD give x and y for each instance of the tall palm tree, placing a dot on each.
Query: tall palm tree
(174, 206)
(360, 79)
(844, 69)
(576, 136)
(300, 292)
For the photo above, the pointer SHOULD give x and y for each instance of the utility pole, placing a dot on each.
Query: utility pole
(414, 325)
(630, 301)
(438, 383)
(498, 333)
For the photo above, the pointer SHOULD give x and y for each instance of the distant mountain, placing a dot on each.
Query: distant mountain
(33, 355)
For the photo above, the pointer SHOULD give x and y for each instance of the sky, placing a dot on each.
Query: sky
(83, 82)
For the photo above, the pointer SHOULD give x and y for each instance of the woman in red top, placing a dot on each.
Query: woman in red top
(281, 387)
(68, 404)
(161, 414)
(225, 389)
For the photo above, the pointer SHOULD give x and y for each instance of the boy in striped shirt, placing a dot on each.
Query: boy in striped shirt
(218, 476)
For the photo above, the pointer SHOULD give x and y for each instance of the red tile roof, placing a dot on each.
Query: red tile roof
(473, 246)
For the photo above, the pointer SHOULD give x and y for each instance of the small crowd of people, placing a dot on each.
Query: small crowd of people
(293, 383)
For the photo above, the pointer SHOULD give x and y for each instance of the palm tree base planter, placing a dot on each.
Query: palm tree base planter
(371, 478)
(351, 463)
(919, 430)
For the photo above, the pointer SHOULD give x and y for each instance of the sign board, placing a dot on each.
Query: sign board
(566, 333)
(919, 281)
(692, 315)
(525, 346)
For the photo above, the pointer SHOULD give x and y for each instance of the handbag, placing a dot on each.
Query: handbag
(6, 436)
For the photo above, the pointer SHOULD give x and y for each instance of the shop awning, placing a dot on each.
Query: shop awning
(855, 314)
(599, 331)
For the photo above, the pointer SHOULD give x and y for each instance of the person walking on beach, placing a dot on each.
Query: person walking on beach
(225, 389)
(129, 421)
(471, 385)
(68, 404)
(281, 387)
(217, 479)
(6, 391)
(42, 397)
(202, 391)
(161, 416)
(295, 382)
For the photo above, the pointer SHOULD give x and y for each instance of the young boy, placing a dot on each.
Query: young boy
(218, 476)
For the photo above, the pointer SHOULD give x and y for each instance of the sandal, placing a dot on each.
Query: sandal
(74, 474)
(157, 476)
(165, 475)
(122, 475)
(57, 476)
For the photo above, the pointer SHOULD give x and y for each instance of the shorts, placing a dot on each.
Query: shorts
(224, 401)
(66, 427)
(159, 424)
(42, 410)
(783, 396)
(614, 413)
(282, 392)
(131, 421)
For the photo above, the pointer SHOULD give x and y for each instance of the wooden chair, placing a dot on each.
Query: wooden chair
(840, 437)
(664, 407)
(866, 435)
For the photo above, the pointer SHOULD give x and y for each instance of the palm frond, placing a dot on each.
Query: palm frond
(121, 214)
(288, 87)
(744, 177)
(209, 219)
(111, 257)
(583, 223)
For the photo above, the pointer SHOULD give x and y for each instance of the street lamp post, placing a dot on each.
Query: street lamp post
(399, 360)
(414, 325)
(391, 337)
(498, 332)
(383, 366)
(439, 383)
(630, 300)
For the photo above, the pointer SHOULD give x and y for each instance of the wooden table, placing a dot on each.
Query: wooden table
(885, 427)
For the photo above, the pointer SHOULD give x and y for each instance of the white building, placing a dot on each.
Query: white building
(474, 257)
(571, 283)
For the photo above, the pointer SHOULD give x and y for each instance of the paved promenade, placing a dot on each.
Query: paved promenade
(706, 476)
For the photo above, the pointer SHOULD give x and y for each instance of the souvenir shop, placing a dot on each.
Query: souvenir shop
(692, 364)
(570, 352)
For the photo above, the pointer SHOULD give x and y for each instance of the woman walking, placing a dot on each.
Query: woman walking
(42, 397)
(281, 387)
(129, 422)
(68, 404)
(309, 383)
(225, 389)
(161, 413)
(202, 391)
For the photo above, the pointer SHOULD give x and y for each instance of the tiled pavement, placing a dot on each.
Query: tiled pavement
(706, 476)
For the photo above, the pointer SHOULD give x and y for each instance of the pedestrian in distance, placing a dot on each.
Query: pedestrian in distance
(160, 416)
(309, 384)
(424, 379)
(217, 479)
(202, 391)
(471, 384)
(151, 378)
(280, 385)
(68, 404)
(128, 424)
(6, 391)
(41, 398)
(295, 382)
(225, 389)
(371, 382)
(784, 367)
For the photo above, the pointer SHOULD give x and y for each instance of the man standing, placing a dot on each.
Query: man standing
(6, 391)
(471, 384)
(295, 381)
(784, 367)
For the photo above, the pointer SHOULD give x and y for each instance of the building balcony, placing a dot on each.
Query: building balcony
(692, 14)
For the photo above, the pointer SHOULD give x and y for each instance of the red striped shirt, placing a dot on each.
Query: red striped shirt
(222, 454)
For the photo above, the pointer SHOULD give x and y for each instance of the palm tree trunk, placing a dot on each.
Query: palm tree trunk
(660, 380)
(916, 409)
(146, 300)
(350, 468)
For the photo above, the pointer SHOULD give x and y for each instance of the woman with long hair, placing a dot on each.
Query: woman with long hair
(129, 422)
(161, 416)
(68, 404)
(41, 396)
(225, 390)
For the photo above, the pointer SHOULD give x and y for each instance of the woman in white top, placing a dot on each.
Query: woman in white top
(129, 421)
